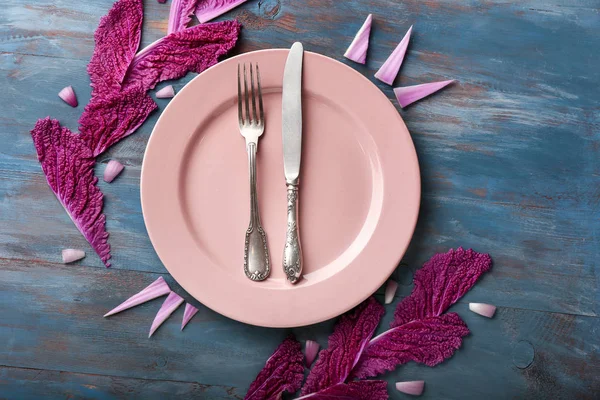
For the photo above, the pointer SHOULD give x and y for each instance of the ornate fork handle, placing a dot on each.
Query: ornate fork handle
(292, 251)
(256, 253)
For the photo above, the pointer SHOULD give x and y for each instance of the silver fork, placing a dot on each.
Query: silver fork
(256, 252)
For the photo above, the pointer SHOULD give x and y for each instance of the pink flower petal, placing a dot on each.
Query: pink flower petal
(158, 288)
(358, 48)
(162, 1)
(310, 352)
(388, 71)
(487, 310)
(189, 312)
(166, 92)
(414, 388)
(390, 291)
(169, 306)
(70, 255)
(68, 95)
(409, 94)
(209, 9)
(113, 168)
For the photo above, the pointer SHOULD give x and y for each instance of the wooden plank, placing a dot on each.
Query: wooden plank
(34, 384)
(53, 321)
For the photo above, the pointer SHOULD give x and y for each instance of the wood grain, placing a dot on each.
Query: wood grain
(509, 161)
(35, 384)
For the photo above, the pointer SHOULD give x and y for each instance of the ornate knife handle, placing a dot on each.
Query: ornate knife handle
(292, 252)
(256, 251)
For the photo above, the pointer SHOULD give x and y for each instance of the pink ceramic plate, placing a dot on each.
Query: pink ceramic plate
(359, 196)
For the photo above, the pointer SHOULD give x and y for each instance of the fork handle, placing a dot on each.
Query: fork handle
(256, 253)
(292, 251)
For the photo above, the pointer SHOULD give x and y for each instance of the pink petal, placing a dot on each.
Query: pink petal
(166, 92)
(113, 168)
(487, 310)
(414, 388)
(390, 291)
(388, 71)
(409, 94)
(68, 95)
(162, 1)
(358, 48)
(169, 306)
(158, 288)
(310, 352)
(70, 255)
(189, 312)
(209, 9)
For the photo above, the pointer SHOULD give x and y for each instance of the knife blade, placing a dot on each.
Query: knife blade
(291, 99)
(292, 113)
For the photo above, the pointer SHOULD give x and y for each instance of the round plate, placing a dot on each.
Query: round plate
(359, 191)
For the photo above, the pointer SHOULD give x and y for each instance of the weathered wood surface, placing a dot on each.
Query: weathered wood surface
(510, 165)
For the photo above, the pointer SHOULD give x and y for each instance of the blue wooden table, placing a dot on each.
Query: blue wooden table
(510, 162)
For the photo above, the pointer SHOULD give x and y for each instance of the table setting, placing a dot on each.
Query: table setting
(257, 206)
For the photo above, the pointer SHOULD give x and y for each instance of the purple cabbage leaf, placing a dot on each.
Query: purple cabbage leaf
(69, 168)
(420, 331)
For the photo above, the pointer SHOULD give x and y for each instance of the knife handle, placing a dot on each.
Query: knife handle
(292, 251)
(256, 252)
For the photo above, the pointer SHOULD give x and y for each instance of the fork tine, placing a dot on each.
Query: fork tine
(260, 102)
(253, 95)
(240, 115)
(246, 100)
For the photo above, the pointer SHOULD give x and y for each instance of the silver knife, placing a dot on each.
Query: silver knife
(292, 154)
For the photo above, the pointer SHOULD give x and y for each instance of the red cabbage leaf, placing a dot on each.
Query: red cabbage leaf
(420, 331)
(69, 168)
(193, 49)
(108, 119)
(356, 390)
(209, 9)
(442, 281)
(428, 341)
(180, 14)
(283, 372)
(346, 344)
(117, 40)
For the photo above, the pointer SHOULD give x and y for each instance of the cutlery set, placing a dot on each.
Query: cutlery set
(252, 125)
